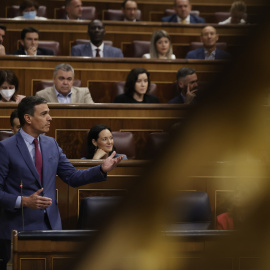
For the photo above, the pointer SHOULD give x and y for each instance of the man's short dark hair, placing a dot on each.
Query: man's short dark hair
(28, 30)
(3, 27)
(125, 1)
(27, 4)
(13, 115)
(183, 72)
(27, 106)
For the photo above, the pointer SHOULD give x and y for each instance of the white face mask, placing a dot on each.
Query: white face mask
(7, 93)
(30, 14)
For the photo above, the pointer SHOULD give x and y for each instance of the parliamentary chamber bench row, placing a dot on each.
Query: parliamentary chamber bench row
(122, 34)
(100, 75)
(151, 10)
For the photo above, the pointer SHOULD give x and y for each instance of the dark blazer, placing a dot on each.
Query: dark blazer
(86, 50)
(16, 164)
(193, 19)
(40, 51)
(124, 98)
(177, 100)
(199, 54)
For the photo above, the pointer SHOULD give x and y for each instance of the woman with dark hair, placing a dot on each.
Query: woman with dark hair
(100, 143)
(9, 85)
(160, 47)
(136, 88)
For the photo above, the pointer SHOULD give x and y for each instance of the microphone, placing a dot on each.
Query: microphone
(21, 186)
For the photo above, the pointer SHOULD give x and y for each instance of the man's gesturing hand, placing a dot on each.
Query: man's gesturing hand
(35, 201)
(110, 162)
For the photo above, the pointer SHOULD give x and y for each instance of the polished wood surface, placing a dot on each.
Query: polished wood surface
(56, 250)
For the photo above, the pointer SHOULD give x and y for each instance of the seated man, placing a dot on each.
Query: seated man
(2, 35)
(209, 51)
(187, 83)
(96, 46)
(183, 8)
(73, 9)
(14, 121)
(29, 42)
(129, 9)
(28, 9)
(63, 90)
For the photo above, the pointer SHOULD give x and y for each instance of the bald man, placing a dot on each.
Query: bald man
(209, 51)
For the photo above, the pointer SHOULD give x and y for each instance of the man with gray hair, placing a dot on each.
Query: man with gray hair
(63, 90)
(187, 83)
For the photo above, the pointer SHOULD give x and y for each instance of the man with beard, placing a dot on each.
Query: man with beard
(187, 83)
(96, 46)
(209, 51)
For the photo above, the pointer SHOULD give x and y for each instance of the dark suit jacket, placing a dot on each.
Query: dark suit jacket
(16, 164)
(199, 54)
(177, 100)
(193, 19)
(40, 51)
(86, 50)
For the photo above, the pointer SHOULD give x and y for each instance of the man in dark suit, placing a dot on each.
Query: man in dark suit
(2, 35)
(187, 83)
(182, 9)
(96, 46)
(29, 43)
(209, 51)
(29, 162)
(130, 9)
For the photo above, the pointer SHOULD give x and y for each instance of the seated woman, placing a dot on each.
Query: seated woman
(161, 46)
(237, 11)
(136, 88)
(9, 85)
(100, 143)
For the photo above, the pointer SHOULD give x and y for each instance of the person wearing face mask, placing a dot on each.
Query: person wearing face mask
(160, 47)
(136, 88)
(28, 9)
(9, 87)
(100, 143)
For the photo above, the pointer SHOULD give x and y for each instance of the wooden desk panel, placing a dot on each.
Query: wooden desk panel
(202, 249)
(130, 172)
